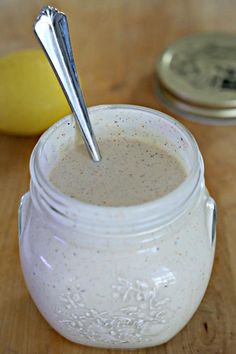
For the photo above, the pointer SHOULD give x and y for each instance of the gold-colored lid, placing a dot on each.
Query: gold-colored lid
(201, 69)
(218, 116)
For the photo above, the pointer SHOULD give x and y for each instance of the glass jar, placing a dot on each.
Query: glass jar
(117, 277)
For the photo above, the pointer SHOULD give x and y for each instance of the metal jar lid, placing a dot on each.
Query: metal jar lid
(199, 72)
(201, 114)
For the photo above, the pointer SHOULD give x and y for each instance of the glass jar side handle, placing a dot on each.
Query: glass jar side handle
(211, 219)
(22, 212)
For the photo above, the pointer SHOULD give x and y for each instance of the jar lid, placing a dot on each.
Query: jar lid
(202, 114)
(201, 70)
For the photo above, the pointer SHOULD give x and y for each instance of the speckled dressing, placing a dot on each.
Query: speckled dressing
(131, 172)
(127, 277)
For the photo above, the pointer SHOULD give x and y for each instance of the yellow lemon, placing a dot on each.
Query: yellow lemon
(31, 98)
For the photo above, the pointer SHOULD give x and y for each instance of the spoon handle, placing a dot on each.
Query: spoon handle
(51, 28)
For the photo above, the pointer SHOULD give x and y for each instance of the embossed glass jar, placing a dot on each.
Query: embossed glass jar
(117, 277)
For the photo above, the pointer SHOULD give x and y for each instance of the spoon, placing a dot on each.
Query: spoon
(52, 31)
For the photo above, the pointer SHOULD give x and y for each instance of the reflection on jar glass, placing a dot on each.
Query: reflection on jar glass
(117, 277)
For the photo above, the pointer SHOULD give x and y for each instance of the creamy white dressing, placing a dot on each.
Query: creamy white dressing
(130, 172)
(113, 286)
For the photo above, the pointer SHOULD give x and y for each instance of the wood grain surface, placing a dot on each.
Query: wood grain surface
(117, 43)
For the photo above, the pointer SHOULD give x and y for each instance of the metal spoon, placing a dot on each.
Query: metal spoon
(51, 28)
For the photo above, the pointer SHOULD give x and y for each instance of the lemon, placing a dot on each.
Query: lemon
(31, 98)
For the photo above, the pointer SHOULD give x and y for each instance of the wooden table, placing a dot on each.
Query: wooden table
(118, 43)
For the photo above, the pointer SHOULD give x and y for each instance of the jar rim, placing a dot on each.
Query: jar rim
(158, 211)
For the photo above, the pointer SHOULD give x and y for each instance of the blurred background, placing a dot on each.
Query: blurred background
(116, 42)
